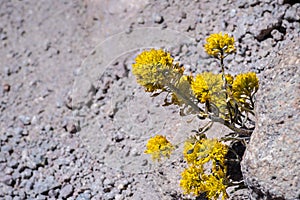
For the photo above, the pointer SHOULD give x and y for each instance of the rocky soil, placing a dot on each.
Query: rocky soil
(73, 121)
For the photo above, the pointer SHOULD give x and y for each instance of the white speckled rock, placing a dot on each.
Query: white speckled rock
(271, 163)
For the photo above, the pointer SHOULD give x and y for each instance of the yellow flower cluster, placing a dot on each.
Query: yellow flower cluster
(218, 45)
(151, 68)
(194, 179)
(208, 87)
(158, 146)
(202, 151)
(244, 86)
(214, 187)
(191, 181)
(195, 182)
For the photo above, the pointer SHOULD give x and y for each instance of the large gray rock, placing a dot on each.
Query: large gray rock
(271, 164)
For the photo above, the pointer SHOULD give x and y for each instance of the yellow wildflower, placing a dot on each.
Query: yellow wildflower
(209, 87)
(158, 146)
(200, 87)
(244, 86)
(206, 85)
(214, 186)
(191, 181)
(151, 67)
(194, 179)
(190, 147)
(205, 150)
(218, 44)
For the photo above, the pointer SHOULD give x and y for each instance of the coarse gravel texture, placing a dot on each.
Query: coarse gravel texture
(73, 121)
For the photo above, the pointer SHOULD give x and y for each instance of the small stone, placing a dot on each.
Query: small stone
(66, 191)
(29, 185)
(30, 164)
(95, 108)
(71, 128)
(40, 187)
(22, 194)
(8, 170)
(183, 15)
(158, 18)
(82, 94)
(54, 193)
(198, 38)
(128, 29)
(8, 197)
(119, 137)
(291, 14)
(7, 148)
(59, 103)
(41, 197)
(144, 162)
(3, 138)
(108, 181)
(164, 26)
(277, 36)
(84, 196)
(18, 130)
(6, 87)
(16, 69)
(17, 198)
(178, 20)
(47, 45)
(121, 187)
(26, 120)
(39, 160)
(119, 197)
(7, 180)
(141, 20)
(16, 175)
(125, 182)
(48, 128)
(27, 173)
(128, 193)
(3, 36)
(2, 157)
(35, 120)
(13, 164)
(191, 27)
(108, 196)
(25, 133)
(134, 152)
(7, 71)
(232, 12)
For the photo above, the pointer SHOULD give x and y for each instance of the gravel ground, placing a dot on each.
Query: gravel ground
(74, 123)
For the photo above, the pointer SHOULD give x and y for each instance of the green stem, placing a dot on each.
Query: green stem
(229, 106)
(195, 107)
(185, 98)
(242, 132)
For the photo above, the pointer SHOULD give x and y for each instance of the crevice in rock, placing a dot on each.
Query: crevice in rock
(291, 2)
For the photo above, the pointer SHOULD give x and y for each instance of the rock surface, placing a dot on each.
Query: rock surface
(271, 163)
